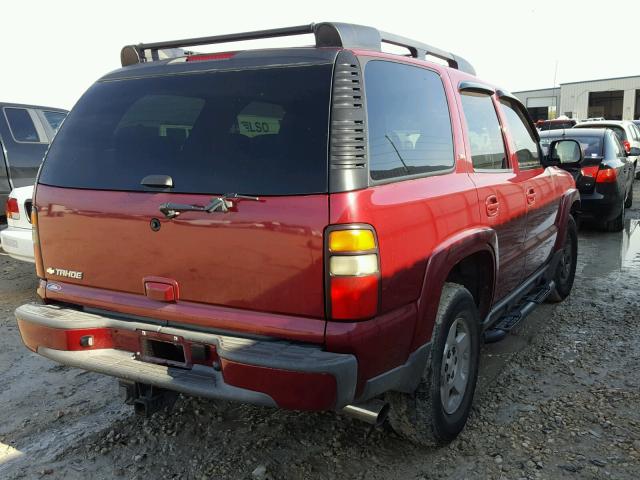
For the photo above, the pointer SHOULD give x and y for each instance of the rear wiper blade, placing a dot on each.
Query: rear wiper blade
(218, 204)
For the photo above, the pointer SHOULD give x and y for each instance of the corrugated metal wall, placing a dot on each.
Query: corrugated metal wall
(543, 93)
(574, 97)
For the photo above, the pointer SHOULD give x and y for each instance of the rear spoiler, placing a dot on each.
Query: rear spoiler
(327, 34)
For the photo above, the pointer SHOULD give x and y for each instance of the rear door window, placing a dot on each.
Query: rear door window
(251, 131)
(408, 120)
(484, 132)
(521, 135)
(21, 125)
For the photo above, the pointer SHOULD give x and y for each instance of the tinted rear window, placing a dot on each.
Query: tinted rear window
(591, 146)
(556, 125)
(619, 131)
(260, 131)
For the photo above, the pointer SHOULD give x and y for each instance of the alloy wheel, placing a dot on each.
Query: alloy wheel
(454, 371)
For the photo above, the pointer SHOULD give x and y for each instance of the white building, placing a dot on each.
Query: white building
(611, 98)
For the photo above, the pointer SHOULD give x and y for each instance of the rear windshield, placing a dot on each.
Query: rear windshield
(556, 125)
(591, 146)
(261, 131)
(619, 131)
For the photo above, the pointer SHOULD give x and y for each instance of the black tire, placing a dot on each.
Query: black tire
(617, 224)
(629, 200)
(421, 416)
(566, 270)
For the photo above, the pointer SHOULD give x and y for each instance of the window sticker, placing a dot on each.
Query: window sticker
(259, 118)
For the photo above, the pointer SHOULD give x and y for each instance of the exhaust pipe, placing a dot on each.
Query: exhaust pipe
(374, 412)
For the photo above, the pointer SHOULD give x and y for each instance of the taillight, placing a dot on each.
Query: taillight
(607, 175)
(353, 272)
(591, 171)
(627, 146)
(13, 212)
(36, 242)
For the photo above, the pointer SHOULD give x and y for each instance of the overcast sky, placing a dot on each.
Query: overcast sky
(55, 49)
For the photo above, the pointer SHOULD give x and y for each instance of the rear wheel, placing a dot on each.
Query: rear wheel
(617, 224)
(437, 411)
(629, 200)
(566, 269)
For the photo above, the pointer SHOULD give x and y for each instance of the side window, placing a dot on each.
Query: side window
(54, 119)
(521, 135)
(21, 125)
(485, 134)
(408, 120)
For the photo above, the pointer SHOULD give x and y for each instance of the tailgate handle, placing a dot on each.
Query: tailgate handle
(161, 289)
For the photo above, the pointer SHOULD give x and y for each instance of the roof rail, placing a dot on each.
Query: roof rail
(327, 34)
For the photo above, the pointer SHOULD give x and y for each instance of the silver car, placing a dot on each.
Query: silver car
(628, 133)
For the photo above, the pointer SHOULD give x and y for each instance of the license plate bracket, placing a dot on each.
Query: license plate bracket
(163, 349)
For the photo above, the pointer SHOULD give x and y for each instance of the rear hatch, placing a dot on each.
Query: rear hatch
(210, 131)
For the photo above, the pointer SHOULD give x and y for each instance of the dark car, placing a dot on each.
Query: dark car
(627, 133)
(317, 228)
(604, 178)
(25, 134)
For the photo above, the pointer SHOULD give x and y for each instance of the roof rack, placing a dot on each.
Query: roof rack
(327, 34)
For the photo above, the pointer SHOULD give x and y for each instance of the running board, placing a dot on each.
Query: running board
(512, 318)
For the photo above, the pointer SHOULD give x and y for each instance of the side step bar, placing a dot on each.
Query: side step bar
(512, 318)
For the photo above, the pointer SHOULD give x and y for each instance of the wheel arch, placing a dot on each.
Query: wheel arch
(457, 260)
(569, 205)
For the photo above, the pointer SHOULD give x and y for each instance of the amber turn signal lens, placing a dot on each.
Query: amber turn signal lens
(354, 240)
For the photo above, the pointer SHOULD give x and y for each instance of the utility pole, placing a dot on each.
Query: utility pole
(555, 77)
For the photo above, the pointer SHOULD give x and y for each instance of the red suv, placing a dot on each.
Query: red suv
(323, 228)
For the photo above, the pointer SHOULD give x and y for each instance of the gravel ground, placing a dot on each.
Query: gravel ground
(558, 398)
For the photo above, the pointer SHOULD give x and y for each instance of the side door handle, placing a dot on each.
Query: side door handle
(492, 205)
(531, 196)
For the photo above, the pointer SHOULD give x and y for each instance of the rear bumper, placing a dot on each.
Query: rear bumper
(600, 206)
(259, 371)
(18, 243)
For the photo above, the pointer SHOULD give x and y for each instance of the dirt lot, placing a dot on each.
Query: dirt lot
(559, 398)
